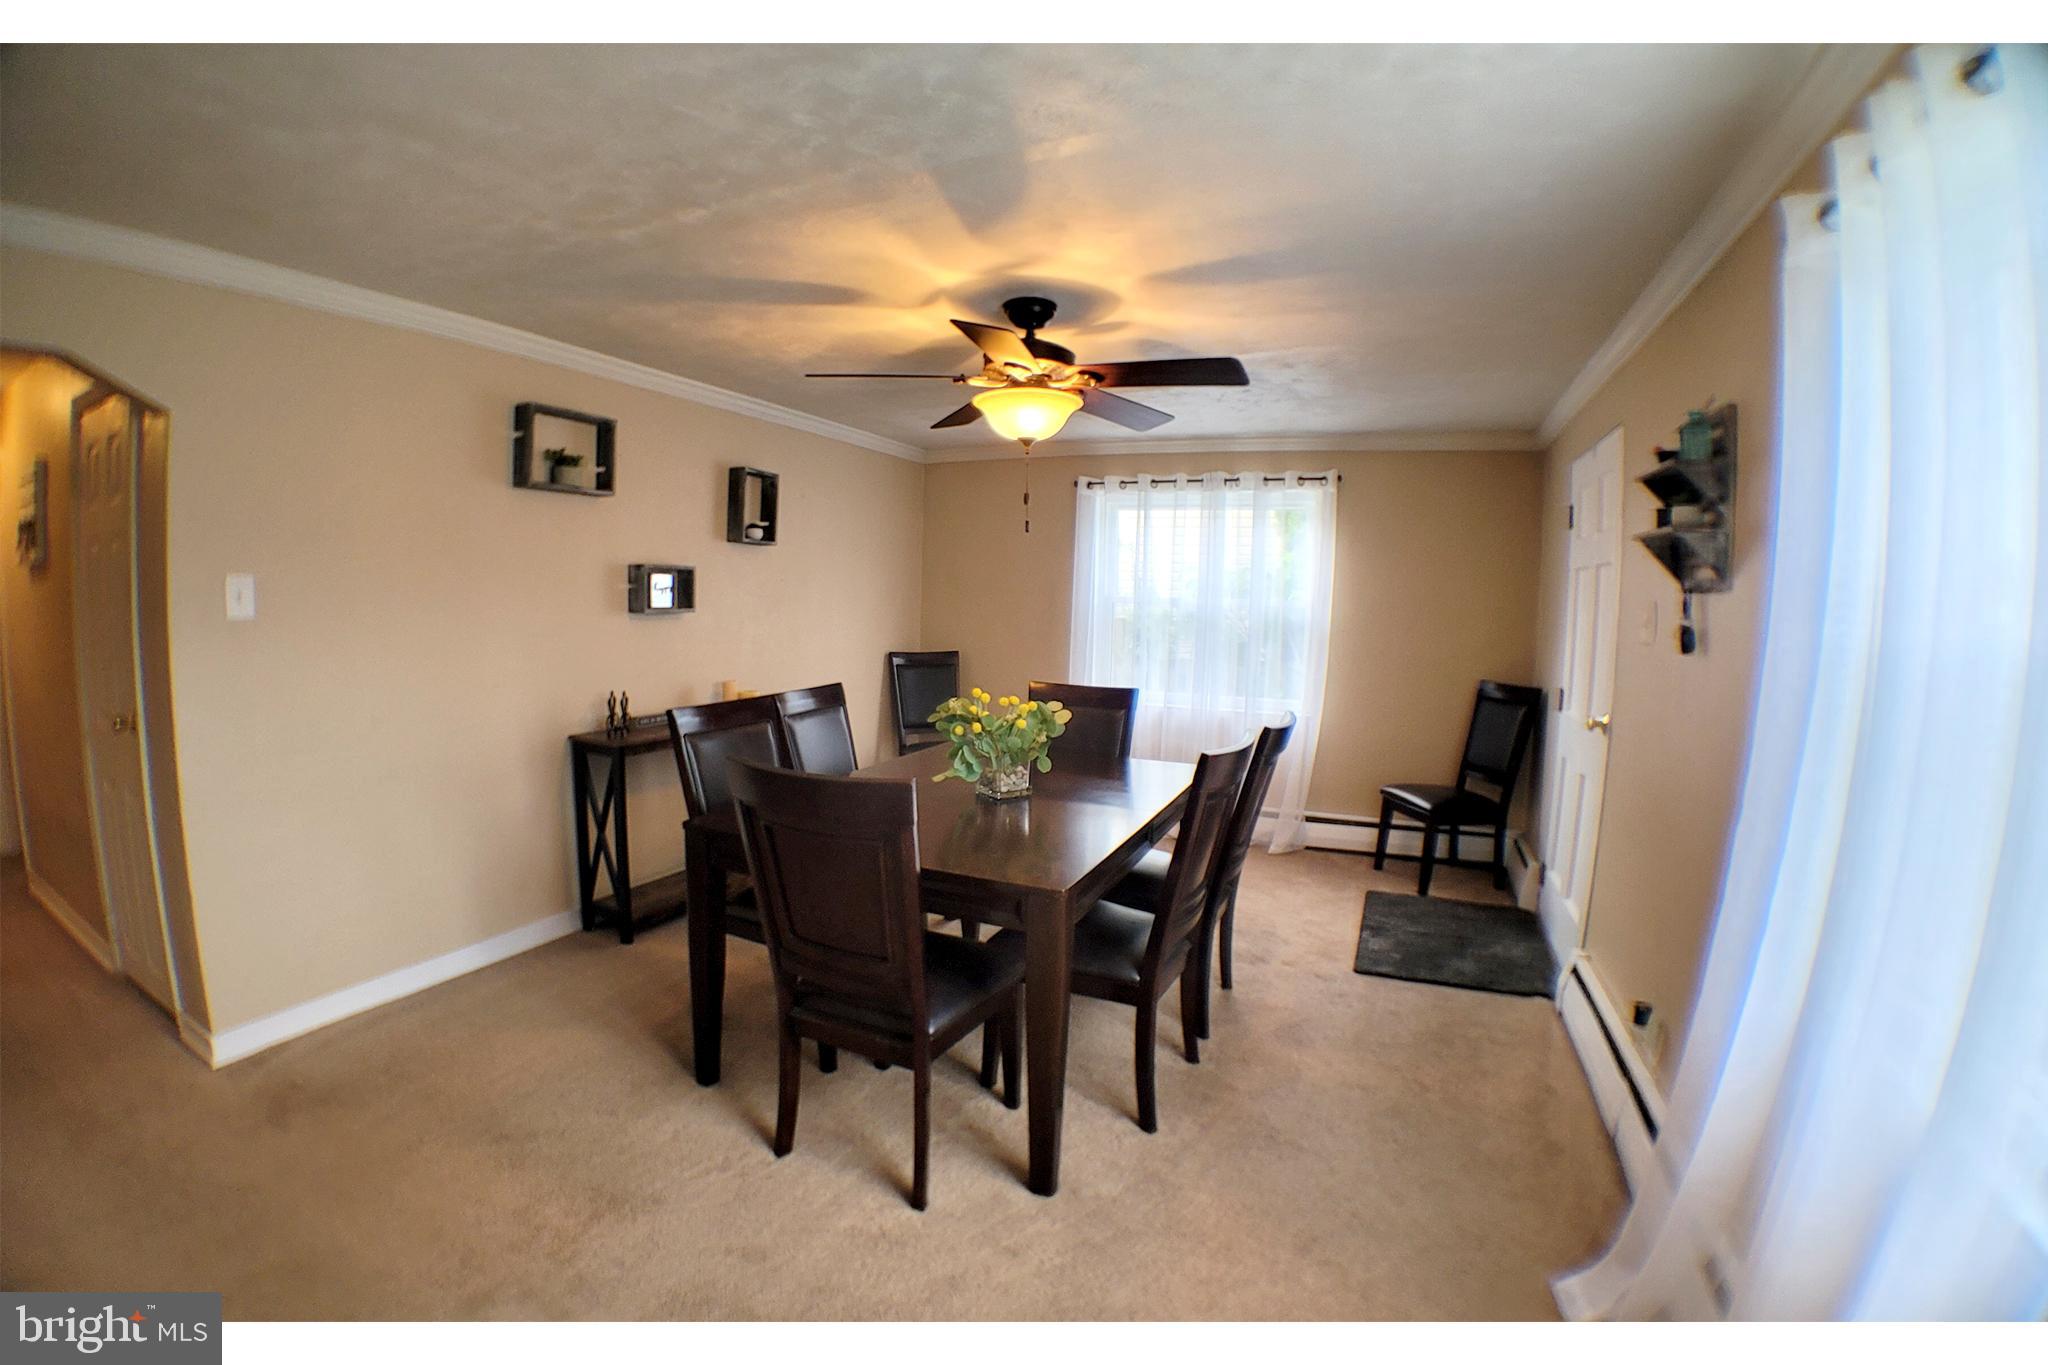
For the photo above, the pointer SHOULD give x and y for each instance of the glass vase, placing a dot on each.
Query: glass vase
(1004, 784)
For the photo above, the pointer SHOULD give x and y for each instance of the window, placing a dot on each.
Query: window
(1210, 595)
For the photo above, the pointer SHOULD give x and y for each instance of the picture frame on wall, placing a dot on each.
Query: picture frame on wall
(32, 523)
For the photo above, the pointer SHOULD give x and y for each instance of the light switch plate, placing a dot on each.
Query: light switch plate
(1646, 631)
(241, 597)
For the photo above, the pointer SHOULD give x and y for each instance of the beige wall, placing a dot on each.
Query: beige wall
(374, 770)
(1681, 722)
(1435, 589)
(36, 612)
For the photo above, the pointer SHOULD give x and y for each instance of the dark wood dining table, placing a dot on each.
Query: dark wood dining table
(1035, 864)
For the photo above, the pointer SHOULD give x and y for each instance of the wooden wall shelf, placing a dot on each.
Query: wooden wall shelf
(752, 503)
(529, 452)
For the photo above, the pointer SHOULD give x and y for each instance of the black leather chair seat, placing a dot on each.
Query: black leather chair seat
(1144, 884)
(1109, 942)
(958, 975)
(1445, 803)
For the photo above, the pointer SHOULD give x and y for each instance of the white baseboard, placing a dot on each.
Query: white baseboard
(1561, 928)
(1525, 874)
(1624, 1089)
(244, 1040)
(72, 923)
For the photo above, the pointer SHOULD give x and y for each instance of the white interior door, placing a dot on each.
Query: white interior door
(105, 473)
(1578, 746)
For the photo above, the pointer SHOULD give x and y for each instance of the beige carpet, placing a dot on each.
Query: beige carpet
(526, 1143)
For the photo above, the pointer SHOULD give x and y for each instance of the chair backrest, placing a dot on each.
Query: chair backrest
(1105, 719)
(1244, 816)
(817, 729)
(708, 737)
(1503, 718)
(919, 682)
(834, 861)
(1197, 851)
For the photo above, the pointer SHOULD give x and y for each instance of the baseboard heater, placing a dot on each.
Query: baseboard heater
(1622, 1066)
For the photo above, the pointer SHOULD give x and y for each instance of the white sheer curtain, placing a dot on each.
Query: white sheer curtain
(1211, 596)
(1859, 1124)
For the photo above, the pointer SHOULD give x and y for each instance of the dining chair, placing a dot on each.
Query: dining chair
(705, 738)
(919, 683)
(1145, 885)
(817, 729)
(835, 865)
(1105, 719)
(1132, 956)
(1503, 718)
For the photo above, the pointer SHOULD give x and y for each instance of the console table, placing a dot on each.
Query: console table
(601, 833)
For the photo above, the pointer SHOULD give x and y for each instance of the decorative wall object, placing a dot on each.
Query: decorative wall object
(1695, 487)
(32, 524)
(660, 589)
(560, 450)
(752, 497)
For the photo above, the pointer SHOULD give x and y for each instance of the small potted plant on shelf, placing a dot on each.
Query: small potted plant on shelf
(995, 742)
(558, 460)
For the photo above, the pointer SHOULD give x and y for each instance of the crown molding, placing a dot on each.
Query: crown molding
(1838, 77)
(1389, 441)
(64, 235)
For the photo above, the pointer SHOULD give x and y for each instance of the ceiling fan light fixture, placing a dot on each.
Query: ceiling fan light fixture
(1027, 413)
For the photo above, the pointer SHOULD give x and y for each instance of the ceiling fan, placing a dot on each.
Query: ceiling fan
(1031, 386)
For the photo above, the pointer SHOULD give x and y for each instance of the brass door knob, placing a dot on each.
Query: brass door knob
(1599, 723)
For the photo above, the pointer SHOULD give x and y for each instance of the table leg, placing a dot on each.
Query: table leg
(706, 923)
(1048, 994)
(622, 861)
(586, 866)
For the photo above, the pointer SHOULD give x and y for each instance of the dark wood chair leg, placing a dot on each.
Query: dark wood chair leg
(1500, 856)
(1190, 1012)
(920, 1161)
(1148, 1041)
(1228, 930)
(1379, 851)
(991, 1042)
(828, 1058)
(1454, 844)
(1428, 859)
(786, 1090)
(970, 929)
(1013, 1050)
(1201, 965)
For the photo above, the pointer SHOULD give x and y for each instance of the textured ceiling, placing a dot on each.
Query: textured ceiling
(1392, 238)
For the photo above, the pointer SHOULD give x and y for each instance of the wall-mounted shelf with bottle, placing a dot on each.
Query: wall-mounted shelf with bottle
(1695, 488)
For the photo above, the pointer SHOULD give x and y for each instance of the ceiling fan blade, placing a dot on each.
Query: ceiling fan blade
(997, 343)
(959, 417)
(1049, 350)
(840, 374)
(1132, 374)
(1123, 411)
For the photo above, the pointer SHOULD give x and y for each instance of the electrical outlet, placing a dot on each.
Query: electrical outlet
(241, 597)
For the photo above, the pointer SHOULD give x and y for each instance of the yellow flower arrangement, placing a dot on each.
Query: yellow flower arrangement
(1005, 742)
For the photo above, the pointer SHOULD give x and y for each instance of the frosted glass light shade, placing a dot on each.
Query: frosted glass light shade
(1027, 413)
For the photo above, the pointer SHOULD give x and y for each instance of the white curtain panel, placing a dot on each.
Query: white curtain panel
(1859, 1122)
(1211, 596)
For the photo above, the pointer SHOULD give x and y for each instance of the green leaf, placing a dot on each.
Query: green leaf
(1044, 764)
